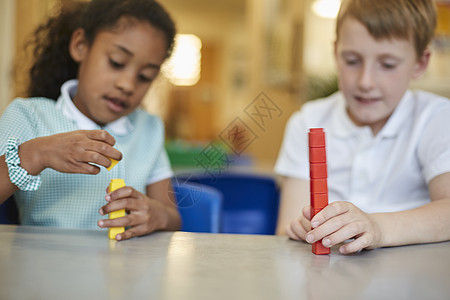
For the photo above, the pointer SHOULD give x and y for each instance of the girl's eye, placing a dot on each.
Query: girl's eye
(144, 78)
(115, 64)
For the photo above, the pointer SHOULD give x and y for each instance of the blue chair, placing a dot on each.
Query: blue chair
(250, 201)
(200, 207)
(8, 212)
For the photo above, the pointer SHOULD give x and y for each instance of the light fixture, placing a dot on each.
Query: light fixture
(184, 65)
(326, 8)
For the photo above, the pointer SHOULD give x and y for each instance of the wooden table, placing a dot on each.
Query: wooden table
(49, 263)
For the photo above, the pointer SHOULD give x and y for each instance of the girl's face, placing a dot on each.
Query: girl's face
(374, 74)
(117, 69)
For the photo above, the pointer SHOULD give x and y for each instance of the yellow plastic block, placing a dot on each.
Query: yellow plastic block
(113, 231)
(113, 163)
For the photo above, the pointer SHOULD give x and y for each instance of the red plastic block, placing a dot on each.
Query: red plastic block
(318, 186)
(315, 211)
(318, 170)
(319, 249)
(317, 155)
(316, 138)
(319, 201)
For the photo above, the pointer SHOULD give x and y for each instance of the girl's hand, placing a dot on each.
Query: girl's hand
(69, 152)
(341, 221)
(144, 215)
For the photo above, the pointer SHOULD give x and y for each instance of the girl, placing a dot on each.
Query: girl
(104, 54)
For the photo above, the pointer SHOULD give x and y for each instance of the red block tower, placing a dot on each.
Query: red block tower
(318, 179)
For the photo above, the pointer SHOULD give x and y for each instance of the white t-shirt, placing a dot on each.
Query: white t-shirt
(388, 172)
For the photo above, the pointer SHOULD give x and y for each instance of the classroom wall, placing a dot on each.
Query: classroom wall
(251, 48)
(7, 12)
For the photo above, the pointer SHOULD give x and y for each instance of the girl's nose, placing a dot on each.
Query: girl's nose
(126, 82)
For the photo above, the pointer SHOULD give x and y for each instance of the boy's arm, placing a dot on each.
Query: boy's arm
(294, 197)
(341, 221)
(425, 224)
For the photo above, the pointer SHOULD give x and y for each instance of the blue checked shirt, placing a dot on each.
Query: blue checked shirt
(73, 200)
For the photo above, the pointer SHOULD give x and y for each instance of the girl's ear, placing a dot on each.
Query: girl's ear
(422, 64)
(78, 45)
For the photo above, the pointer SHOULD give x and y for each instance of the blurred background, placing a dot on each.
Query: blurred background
(239, 70)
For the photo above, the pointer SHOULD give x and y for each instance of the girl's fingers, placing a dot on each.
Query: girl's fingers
(100, 135)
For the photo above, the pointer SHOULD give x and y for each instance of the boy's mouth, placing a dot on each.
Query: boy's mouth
(115, 104)
(367, 100)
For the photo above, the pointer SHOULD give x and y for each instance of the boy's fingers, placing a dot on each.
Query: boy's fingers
(306, 211)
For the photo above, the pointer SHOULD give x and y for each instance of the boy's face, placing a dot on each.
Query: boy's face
(116, 71)
(374, 74)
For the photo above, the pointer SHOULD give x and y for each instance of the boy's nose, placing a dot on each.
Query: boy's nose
(366, 79)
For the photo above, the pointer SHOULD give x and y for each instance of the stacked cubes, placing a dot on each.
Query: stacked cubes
(318, 179)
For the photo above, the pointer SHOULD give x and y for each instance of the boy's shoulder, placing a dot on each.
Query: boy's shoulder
(429, 99)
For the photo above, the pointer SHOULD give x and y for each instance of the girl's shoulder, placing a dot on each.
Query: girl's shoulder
(31, 104)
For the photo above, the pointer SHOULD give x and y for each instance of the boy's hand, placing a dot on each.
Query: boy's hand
(298, 229)
(69, 152)
(144, 216)
(341, 221)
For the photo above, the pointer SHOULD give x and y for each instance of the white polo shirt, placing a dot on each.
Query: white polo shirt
(388, 172)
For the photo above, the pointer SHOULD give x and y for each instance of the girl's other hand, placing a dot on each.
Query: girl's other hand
(144, 215)
(70, 152)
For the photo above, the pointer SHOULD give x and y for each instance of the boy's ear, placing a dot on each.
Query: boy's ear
(422, 64)
(78, 46)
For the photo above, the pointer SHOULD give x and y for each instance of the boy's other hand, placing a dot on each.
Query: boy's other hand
(298, 229)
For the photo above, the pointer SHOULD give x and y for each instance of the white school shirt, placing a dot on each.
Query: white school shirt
(385, 173)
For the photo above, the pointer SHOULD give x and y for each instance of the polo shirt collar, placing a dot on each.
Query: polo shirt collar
(121, 126)
(343, 127)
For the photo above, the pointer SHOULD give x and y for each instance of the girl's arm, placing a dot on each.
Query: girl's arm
(6, 187)
(70, 152)
(163, 192)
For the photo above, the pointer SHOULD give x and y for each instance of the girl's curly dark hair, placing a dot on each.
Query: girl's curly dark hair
(53, 64)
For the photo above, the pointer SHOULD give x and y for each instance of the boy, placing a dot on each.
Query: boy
(388, 148)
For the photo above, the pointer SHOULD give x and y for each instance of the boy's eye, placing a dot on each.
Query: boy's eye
(115, 64)
(351, 61)
(388, 65)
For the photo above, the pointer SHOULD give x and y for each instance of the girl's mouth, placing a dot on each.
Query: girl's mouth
(116, 105)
